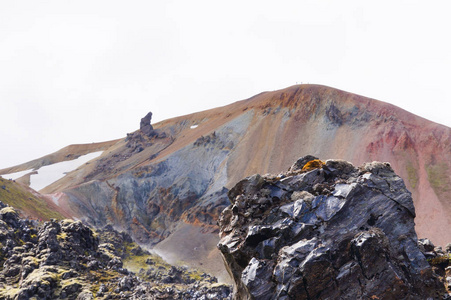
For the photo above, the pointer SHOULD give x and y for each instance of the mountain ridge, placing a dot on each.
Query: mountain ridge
(153, 184)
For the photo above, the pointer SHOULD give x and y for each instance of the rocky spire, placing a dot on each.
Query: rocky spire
(145, 125)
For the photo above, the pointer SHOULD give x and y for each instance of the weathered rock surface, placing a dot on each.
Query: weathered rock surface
(141, 139)
(67, 260)
(145, 125)
(326, 230)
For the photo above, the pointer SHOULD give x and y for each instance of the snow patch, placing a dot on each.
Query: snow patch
(194, 126)
(16, 175)
(49, 174)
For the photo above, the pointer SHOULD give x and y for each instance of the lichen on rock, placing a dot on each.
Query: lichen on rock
(68, 260)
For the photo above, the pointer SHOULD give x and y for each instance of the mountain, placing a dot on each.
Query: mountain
(167, 183)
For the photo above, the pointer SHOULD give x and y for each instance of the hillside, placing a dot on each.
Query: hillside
(29, 203)
(166, 184)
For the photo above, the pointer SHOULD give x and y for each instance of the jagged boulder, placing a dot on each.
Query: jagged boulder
(325, 230)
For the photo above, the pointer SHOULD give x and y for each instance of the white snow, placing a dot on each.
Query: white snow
(49, 174)
(194, 126)
(15, 175)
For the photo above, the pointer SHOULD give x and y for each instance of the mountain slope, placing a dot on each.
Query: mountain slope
(173, 177)
(30, 203)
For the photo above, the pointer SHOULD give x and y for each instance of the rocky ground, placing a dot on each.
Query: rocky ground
(329, 230)
(68, 260)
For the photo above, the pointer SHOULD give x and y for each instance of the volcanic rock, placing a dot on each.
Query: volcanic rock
(331, 232)
(145, 125)
(67, 260)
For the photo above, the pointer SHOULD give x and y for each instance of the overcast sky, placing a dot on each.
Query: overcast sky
(87, 71)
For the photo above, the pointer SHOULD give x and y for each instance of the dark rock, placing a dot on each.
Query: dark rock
(70, 289)
(127, 283)
(11, 270)
(426, 245)
(300, 163)
(334, 115)
(145, 126)
(137, 251)
(69, 274)
(10, 216)
(93, 264)
(85, 296)
(63, 260)
(333, 232)
(136, 142)
(115, 263)
(102, 290)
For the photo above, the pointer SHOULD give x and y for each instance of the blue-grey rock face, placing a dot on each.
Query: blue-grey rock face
(329, 232)
(150, 201)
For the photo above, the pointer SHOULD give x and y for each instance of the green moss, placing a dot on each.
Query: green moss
(61, 236)
(8, 210)
(66, 222)
(44, 276)
(439, 179)
(94, 288)
(440, 260)
(9, 293)
(101, 277)
(20, 198)
(412, 175)
(136, 262)
(196, 275)
(31, 260)
(70, 281)
(104, 249)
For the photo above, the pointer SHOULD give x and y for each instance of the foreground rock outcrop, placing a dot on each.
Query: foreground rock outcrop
(67, 260)
(326, 230)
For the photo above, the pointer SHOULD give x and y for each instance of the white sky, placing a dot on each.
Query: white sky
(87, 71)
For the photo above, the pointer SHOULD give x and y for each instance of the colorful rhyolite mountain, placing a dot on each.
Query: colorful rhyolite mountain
(167, 183)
